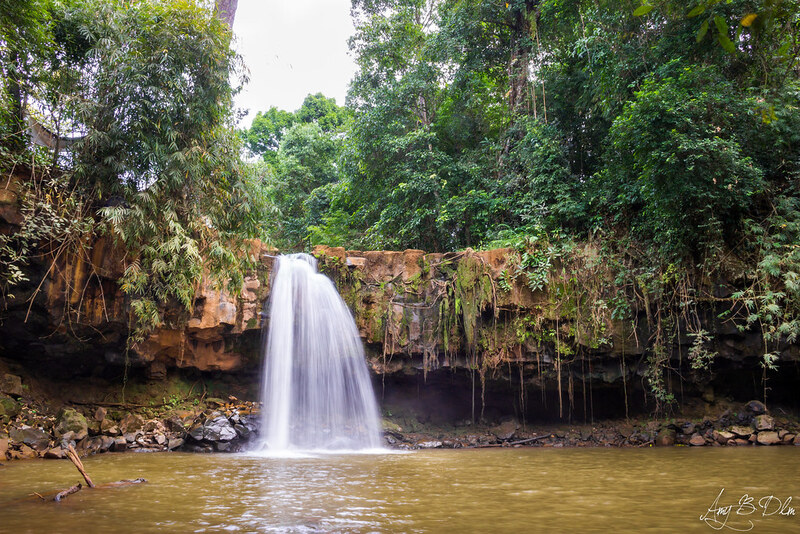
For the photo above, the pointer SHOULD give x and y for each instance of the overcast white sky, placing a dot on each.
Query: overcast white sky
(292, 48)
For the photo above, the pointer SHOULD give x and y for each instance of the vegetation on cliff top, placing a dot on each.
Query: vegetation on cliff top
(666, 133)
(141, 93)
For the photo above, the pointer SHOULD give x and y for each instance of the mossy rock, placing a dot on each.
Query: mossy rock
(8, 407)
(72, 421)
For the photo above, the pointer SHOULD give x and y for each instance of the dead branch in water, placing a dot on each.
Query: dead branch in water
(73, 457)
(69, 491)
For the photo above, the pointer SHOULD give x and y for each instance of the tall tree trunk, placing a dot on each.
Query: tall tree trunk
(521, 49)
(225, 10)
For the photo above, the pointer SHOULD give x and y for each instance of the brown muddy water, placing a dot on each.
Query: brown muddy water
(495, 490)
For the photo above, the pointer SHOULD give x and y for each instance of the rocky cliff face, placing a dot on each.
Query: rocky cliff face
(72, 317)
(472, 324)
(552, 334)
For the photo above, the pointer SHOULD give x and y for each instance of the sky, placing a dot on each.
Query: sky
(292, 48)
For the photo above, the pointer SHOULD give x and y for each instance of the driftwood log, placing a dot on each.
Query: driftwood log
(69, 491)
(73, 457)
(72, 454)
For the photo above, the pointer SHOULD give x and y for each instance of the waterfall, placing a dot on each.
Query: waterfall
(316, 388)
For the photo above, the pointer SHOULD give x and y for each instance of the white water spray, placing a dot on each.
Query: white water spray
(316, 392)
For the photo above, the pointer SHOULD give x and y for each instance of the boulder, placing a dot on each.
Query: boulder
(3, 448)
(120, 444)
(107, 426)
(242, 431)
(36, 438)
(74, 422)
(741, 431)
(763, 422)
(55, 453)
(223, 446)
(723, 437)
(768, 438)
(756, 407)
(8, 407)
(174, 443)
(131, 423)
(788, 438)
(697, 440)
(506, 430)
(196, 432)
(26, 452)
(130, 437)
(218, 429)
(175, 424)
(11, 385)
(665, 437)
(429, 445)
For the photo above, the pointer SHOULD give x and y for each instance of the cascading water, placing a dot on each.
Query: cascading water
(316, 391)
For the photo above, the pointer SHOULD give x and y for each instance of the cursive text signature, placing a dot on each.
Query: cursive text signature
(739, 517)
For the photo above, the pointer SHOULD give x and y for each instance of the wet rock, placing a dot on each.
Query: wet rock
(174, 443)
(723, 437)
(223, 446)
(688, 429)
(175, 424)
(763, 422)
(74, 422)
(8, 407)
(161, 439)
(153, 425)
(697, 440)
(739, 442)
(131, 423)
(218, 429)
(756, 407)
(55, 453)
(3, 448)
(196, 432)
(11, 385)
(429, 445)
(768, 438)
(26, 453)
(242, 431)
(741, 431)
(107, 426)
(788, 438)
(665, 437)
(131, 437)
(120, 444)
(35, 438)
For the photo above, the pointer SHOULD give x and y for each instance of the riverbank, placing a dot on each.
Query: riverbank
(33, 427)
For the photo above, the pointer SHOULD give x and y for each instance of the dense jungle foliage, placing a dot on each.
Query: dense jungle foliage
(141, 93)
(667, 133)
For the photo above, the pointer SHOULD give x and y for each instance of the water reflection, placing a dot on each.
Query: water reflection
(435, 491)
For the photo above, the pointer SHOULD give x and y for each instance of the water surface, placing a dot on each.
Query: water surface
(488, 490)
